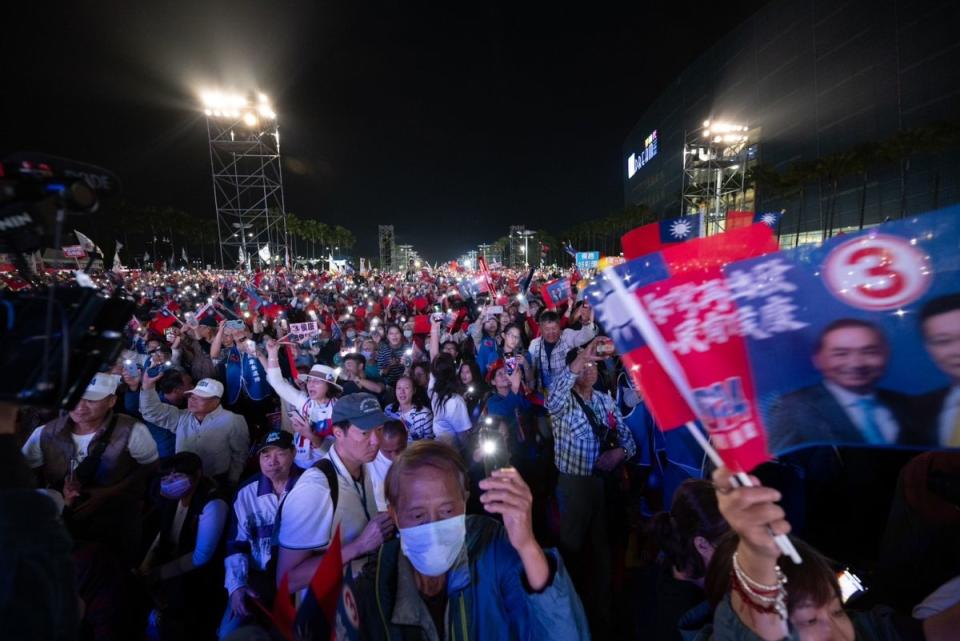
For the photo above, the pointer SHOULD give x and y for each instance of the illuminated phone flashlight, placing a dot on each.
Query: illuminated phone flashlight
(488, 421)
(489, 447)
(128, 362)
(409, 352)
(246, 314)
(470, 389)
(167, 364)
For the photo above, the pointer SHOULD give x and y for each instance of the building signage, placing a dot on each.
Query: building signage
(637, 160)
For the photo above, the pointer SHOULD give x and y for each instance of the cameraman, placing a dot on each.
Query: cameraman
(591, 444)
(100, 461)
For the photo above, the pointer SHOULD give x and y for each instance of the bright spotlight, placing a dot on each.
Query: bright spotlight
(249, 119)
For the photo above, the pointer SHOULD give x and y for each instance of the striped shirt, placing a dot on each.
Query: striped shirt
(418, 421)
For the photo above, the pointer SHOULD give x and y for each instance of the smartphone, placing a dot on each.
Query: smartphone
(130, 367)
(511, 365)
(235, 324)
(605, 348)
(850, 585)
(493, 446)
(493, 309)
(250, 346)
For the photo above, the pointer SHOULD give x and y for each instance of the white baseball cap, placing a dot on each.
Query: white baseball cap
(101, 386)
(207, 388)
(323, 373)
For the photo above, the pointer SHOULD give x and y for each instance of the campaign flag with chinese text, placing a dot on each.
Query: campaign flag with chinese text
(748, 335)
(556, 293)
(678, 287)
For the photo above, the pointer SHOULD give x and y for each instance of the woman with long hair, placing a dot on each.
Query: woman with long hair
(473, 388)
(412, 407)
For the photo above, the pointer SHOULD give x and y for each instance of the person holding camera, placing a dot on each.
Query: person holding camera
(591, 444)
(99, 461)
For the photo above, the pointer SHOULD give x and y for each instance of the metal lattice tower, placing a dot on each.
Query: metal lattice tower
(715, 162)
(516, 259)
(387, 247)
(244, 141)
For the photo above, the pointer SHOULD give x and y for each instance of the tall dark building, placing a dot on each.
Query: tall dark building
(810, 80)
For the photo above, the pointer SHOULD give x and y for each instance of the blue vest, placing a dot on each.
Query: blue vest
(245, 372)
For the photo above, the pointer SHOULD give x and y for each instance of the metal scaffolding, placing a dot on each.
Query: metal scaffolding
(386, 241)
(715, 163)
(244, 141)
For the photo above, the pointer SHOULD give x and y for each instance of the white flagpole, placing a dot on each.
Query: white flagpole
(671, 366)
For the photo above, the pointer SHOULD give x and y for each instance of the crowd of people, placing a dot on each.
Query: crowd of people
(482, 464)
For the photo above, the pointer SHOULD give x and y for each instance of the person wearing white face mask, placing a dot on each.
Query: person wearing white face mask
(181, 565)
(450, 576)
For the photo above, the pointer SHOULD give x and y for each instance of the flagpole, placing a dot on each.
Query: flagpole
(672, 367)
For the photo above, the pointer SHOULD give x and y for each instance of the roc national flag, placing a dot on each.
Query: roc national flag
(652, 237)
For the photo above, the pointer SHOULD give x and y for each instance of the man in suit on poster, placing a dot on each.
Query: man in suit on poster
(938, 412)
(846, 407)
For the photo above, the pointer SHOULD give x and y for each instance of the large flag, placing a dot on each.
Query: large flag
(87, 244)
(183, 254)
(652, 237)
(687, 275)
(241, 258)
(264, 253)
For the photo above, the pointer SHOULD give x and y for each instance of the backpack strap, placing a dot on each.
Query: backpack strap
(325, 466)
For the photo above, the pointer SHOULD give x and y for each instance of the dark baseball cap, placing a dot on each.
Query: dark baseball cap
(360, 409)
(283, 440)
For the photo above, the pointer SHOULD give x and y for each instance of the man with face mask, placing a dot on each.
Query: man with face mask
(311, 512)
(182, 566)
(591, 442)
(452, 576)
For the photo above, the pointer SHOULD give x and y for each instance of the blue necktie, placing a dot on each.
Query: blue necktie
(869, 429)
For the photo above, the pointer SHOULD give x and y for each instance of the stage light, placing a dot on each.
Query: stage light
(249, 119)
(706, 123)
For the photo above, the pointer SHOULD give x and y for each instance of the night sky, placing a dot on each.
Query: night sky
(449, 120)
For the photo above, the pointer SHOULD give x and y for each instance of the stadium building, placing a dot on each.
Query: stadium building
(842, 114)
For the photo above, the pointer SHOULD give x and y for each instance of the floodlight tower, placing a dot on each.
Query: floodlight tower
(715, 162)
(247, 177)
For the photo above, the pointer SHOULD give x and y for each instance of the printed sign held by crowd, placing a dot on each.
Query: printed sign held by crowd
(302, 332)
(844, 343)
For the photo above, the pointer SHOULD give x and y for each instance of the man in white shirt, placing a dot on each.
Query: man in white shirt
(311, 513)
(847, 407)
(99, 461)
(393, 442)
(218, 436)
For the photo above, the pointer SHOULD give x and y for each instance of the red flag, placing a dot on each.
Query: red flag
(738, 220)
(283, 611)
(641, 241)
(326, 582)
